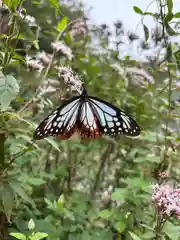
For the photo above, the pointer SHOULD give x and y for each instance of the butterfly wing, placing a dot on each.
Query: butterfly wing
(88, 123)
(112, 120)
(61, 122)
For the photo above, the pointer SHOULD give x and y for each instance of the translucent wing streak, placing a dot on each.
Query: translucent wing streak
(113, 120)
(61, 122)
(89, 123)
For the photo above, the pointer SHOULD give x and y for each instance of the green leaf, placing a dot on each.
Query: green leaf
(170, 5)
(146, 32)
(19, 236)
(105, 214)
(177, 15)
(62, 24)
(12, 4)
(168, 18)
(171, 230)
(120, 226)
(148, 235)
(53, 143)
(148, 13)
(39, 236)
(134, 236)
(19, 191)
(36, 3)
(35, 181)
(119, 194)
(172, 66)
(20, 100)
(137, 10)
(55, 4)
(9, 91)
(7, 200)
(170, 30)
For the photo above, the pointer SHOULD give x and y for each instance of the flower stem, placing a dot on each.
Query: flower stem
(159, 227)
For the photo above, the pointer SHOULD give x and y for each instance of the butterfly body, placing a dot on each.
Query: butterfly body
(88, 116)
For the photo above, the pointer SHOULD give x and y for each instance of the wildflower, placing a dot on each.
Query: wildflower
(178, 85)
(163, 175)
(59, 46)
(71, 78)
(118, 24)
(141, 73)
(167, 200)
(79, 28)
(44, 57)
(34, 63)
(30, 20)
(2, 5)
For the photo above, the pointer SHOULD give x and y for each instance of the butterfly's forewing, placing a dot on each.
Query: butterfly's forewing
(61, 122)
(113, 121)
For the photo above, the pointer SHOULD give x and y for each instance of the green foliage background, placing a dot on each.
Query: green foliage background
(79, 189)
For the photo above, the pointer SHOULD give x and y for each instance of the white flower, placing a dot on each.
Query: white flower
(79, 28)
(31, 21)
(34, 63)
(178, 85)
(44, 57)
(59, 46)
(2, 5)
(71, 78)
(141, 73)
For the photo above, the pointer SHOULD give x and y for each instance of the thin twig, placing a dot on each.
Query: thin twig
(17, 155)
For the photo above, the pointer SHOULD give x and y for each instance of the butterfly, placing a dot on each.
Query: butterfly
(88, 116)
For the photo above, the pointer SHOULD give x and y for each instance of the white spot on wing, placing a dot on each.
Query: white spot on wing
(118, 123)
(110, 124)
(60, 124)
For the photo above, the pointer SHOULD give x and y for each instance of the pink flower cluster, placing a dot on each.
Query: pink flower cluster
(167, 200)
